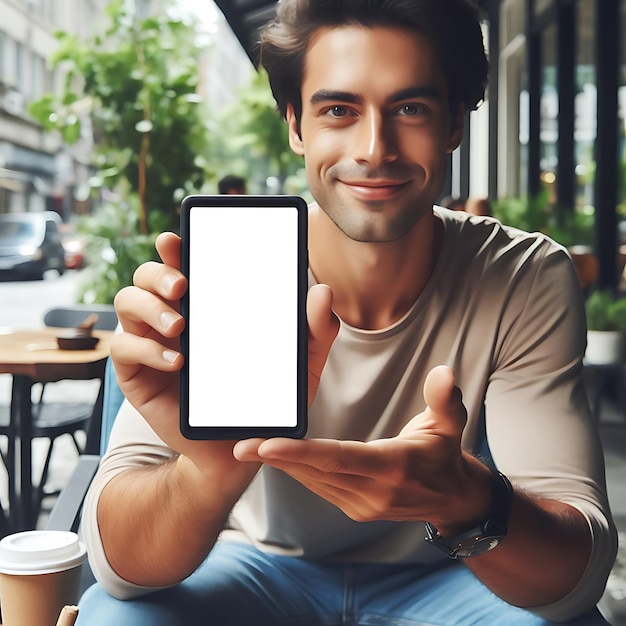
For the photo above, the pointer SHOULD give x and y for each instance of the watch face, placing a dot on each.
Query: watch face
(478, 546)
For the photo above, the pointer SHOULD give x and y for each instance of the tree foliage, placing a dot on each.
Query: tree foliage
(138, 83)
(254, 131)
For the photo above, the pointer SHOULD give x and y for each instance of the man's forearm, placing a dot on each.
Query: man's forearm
(543, 556)
(158, 523)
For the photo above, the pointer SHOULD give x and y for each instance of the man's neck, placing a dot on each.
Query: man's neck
(374, 284)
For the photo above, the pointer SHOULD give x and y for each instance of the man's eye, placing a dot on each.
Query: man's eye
(411, 109)
(338, 111)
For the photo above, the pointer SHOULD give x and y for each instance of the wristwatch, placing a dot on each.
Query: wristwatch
(487, 535)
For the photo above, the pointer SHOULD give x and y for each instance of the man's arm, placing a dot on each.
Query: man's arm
(543, 556)
(157, 518)
(422, 474)
(158, 523)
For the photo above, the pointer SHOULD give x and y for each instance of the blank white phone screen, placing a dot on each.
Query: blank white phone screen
(243, 322)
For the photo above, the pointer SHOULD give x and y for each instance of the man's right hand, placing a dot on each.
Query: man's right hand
(140, 547)
(147, 353)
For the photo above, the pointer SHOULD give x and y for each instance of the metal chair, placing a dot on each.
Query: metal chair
(67, 509)
(55, 419)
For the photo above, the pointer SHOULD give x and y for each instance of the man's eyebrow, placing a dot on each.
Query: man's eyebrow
(326, 95)
(416, 91)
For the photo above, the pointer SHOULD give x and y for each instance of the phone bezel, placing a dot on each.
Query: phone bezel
(231, 202)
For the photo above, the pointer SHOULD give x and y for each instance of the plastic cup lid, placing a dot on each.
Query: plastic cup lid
(40, 552)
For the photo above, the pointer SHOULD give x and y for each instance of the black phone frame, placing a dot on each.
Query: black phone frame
(237, 433)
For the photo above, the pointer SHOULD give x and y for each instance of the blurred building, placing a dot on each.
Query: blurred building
(37, 171)
(225, 66)
(35, 168)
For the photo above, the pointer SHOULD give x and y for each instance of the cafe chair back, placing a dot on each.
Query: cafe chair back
(73, 316)
(65, 514)
(54, 419)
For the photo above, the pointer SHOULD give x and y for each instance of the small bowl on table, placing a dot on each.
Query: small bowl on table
(77, 339)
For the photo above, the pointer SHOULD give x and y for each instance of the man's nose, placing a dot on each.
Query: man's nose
(375, 142)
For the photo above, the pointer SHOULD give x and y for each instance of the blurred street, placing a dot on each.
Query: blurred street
(23, 303)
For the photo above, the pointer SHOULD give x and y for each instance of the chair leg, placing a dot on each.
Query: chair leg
(4, 458)
(78, 447)
(38, 492)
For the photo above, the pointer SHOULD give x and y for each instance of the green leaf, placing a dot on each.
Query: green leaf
(144, 126)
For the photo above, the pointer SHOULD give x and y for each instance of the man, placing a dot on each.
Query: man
(428, 330)
(231, 184)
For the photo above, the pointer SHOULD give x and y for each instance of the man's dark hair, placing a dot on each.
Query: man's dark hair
(231, 183)
(451, 25)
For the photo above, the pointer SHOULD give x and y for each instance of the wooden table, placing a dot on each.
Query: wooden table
(32, 356)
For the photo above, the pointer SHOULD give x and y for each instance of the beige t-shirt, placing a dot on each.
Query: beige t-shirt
(503, 309)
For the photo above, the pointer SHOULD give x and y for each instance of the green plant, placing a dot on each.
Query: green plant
(114, 250)
(605, 311)
(568, 227)
(253, 138)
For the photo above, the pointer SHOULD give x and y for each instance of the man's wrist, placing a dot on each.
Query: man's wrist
(487, 534)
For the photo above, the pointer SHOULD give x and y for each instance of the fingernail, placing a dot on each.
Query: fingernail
(167, 319)
(168, 282)
(170, 356)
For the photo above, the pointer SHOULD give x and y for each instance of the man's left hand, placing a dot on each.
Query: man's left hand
(416, 475)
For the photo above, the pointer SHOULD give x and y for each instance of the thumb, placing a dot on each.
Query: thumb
(445, 412)
(323, 328)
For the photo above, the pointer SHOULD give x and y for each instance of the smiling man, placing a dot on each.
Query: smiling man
(451, 473)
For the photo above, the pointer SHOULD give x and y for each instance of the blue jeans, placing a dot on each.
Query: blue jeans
(240, 586)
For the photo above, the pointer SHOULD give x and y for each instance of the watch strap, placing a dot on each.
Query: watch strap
(486, 535)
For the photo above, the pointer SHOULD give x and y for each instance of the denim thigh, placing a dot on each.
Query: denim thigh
(239, 585)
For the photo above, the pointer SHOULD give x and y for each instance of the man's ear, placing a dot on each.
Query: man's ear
(295, 140)
(456, 129)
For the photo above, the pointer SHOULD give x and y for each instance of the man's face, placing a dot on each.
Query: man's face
(375, 129)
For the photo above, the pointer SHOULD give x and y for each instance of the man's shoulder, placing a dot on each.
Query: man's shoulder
(488, 233)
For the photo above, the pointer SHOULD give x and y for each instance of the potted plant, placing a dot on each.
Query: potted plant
(606, 325)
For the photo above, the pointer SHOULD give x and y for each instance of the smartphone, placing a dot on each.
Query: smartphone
(245, 337)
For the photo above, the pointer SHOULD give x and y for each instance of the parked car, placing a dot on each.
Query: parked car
(74, 245)
(30, 244)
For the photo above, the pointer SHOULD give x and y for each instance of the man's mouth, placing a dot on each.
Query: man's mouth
(375, 189)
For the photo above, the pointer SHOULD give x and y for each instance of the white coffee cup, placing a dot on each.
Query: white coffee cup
(39, 574)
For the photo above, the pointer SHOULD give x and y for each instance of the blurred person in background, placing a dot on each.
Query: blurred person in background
(231, 185)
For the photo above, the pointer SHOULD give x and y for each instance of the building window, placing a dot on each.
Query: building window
(2, 57)
(549, 111)
(541, 6)
(585, 108)
(622, 118)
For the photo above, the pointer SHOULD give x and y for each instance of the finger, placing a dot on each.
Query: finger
(311, 476)
(162, 280)
(328, 456)
(343, 491)
(354, 495)
(445, 413)
(441, 393)
(130, 351)
(143, 367)
(247, 449)
(323, 328)
(144, 314)
(168, 247)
